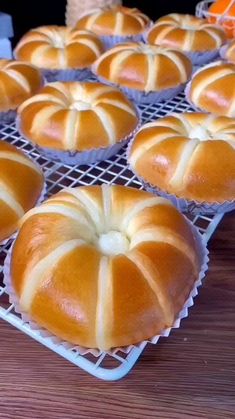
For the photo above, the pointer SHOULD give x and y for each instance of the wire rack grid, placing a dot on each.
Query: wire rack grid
(108, 365)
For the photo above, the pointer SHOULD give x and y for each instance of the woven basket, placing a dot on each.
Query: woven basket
(76, 8)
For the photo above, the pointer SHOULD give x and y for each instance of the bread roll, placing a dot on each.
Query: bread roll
(104, 267)
(21, 183)
(228, 52)
(59, 48)
(121, 21)
(186, 32)
(76, 9)
(212, 89)
(18, 81)
(143, 67)
(77, 116)
(190, 155)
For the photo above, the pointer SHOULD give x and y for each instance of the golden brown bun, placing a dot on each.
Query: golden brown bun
(21, 184)
(229, 54)
(191, 155)
(144, 67)
(104, 266)
(186, 32)
(121, 21)
(212, 89)
(59, 47)
(18, 81)
(77, 116)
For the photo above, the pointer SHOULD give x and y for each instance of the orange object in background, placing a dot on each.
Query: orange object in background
(223, 13)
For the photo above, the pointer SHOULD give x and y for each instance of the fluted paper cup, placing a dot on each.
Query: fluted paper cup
(7, 117)
(66, 75)
(87, 157)
(140, 96)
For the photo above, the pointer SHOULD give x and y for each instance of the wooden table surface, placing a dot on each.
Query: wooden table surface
(189, 374)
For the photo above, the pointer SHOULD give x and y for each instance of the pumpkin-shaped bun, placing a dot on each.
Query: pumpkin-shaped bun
(189, 155)
(147, 68)
(18, 81)
(121, 21)
(227, 52)
(59, 48)
(21, 184)
(212, 89)
(104, 267)
(77, 116)
(186, 32)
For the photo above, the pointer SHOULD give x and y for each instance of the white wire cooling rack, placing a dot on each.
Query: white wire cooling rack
(107, 366)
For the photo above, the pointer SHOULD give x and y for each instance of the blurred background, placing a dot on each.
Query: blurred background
(27, 14)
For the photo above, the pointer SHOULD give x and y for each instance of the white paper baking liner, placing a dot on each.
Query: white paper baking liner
(66, 75)
(82, 158)
(7, 117)
(200, 58)
(39, 201)
(203, 255)
(111, 41)
(190, 206)
(79, 158)
(142, 97)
